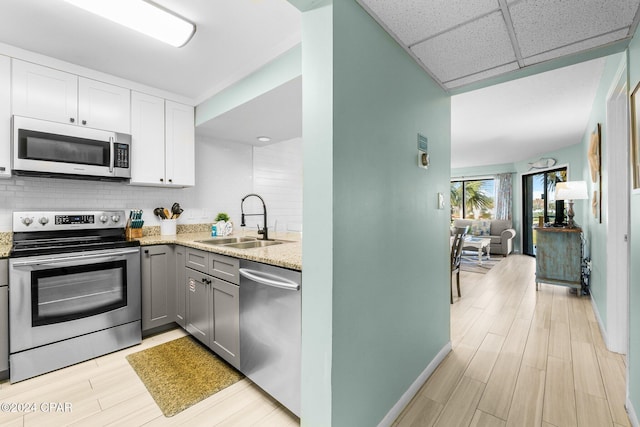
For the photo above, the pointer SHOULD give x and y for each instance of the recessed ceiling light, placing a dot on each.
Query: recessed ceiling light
(144, 17)
(264, 139)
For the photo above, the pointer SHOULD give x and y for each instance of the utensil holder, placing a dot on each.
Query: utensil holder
(168, 227)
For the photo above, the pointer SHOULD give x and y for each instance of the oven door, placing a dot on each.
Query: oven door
(56, 297)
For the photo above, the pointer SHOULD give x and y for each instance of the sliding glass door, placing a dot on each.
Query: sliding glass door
(539, 201)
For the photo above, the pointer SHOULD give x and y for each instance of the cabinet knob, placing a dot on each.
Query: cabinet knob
(72, 120)
(170, 180)
(161, 179)
(146, 251)
(84, 122)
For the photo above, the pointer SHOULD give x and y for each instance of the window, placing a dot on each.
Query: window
(473, 199)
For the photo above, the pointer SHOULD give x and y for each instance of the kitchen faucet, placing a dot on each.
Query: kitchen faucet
(264, 230)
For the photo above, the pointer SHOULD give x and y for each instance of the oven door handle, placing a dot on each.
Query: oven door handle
(75, 260)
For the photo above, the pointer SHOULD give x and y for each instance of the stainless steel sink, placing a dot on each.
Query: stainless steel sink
(226, 240)
(254, 244)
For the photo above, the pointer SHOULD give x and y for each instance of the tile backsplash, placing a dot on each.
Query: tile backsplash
(225, 172)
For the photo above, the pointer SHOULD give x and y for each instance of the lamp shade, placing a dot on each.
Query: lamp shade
(571, 190)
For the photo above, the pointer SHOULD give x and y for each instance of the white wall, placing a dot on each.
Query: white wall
(224, 174)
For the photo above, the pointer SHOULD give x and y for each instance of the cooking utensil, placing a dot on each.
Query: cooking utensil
(166, 213)
(176, 210)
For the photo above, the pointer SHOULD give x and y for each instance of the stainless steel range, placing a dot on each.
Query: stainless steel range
(74, 289)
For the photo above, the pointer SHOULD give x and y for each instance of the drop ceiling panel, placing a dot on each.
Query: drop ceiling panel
(413, 21)
(468, 49)
(543, 25)
(577, 47)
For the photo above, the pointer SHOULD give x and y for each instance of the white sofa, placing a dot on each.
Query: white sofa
(500, 231)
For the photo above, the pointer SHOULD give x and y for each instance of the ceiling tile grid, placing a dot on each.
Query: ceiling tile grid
(413, 21)
(468, 49)
(460, 42)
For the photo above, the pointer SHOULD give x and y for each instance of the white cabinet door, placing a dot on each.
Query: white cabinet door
(44, 93)
(147, 139)
(104, 106)
(5, 117)
(180, 144)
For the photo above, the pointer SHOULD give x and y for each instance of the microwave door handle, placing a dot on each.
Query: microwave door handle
(111, 151)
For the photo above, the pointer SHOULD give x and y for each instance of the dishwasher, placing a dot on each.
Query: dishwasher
(270, 330)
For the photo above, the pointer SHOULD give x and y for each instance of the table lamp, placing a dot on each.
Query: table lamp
(571, 190)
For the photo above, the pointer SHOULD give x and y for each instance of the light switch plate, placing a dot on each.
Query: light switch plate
(440, 201)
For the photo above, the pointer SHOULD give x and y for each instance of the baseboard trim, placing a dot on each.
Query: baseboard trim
(397, 409)
(603, 331)
(633, 417)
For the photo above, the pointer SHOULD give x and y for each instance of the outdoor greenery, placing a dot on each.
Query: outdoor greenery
(472, 199)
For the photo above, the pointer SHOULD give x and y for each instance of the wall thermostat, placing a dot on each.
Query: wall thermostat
(423, 154)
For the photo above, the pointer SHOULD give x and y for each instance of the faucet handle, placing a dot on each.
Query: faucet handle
(260, 230)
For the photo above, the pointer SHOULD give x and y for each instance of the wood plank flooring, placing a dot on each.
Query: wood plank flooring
(521, 358)
(107, 392)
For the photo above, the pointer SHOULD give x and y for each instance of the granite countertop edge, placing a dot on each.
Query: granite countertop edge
(287, 255)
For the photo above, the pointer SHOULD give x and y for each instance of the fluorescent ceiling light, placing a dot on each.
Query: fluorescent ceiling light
(144, 17)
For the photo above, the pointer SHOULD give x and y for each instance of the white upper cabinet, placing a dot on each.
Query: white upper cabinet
(163, 141)
(103, 106)
(147, 139)
(44, 93)
(49, 94)
(180, 144)
(5, 117)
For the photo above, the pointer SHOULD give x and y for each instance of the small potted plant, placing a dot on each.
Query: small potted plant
(221, 225)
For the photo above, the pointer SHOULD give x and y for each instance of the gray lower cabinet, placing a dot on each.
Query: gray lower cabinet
(4, 314)
(181, 306)
(213, 310)
(158, 278)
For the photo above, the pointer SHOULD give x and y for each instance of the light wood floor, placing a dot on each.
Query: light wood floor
(521, 358)
(107, 391)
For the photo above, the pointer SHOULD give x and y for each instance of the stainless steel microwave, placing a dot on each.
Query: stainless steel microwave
(42, 147)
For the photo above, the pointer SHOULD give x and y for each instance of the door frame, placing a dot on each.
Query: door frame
(521, 190)
(618, 190)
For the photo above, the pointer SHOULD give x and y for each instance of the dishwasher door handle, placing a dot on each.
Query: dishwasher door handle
(269, 279)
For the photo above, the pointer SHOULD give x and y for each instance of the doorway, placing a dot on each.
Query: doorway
(539, 203)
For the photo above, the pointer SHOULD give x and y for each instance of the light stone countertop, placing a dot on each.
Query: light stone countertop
(4, 250)
(287, 255)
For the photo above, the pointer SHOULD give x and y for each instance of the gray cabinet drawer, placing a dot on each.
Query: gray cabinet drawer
(224, 267)
(197, 260)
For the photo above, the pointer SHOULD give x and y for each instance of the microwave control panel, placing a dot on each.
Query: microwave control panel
(121, 156)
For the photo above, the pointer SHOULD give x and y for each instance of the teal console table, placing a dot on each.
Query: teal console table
(559, 256)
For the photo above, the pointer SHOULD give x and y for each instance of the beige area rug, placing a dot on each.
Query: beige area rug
(181, 373)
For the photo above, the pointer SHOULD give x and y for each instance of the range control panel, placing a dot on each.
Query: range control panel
(52, 221)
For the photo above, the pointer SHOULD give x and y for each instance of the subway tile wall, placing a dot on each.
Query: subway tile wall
(225, 172)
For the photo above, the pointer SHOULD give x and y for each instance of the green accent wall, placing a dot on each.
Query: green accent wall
(376, 247)
(595, 233)
(633, 357)
(318, 217)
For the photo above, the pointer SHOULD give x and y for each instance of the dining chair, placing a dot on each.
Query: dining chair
(456, 253)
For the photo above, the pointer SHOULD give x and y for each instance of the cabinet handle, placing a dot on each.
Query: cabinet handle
(84, 122)
(72, 120)
(146, 251)
(161, 180)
